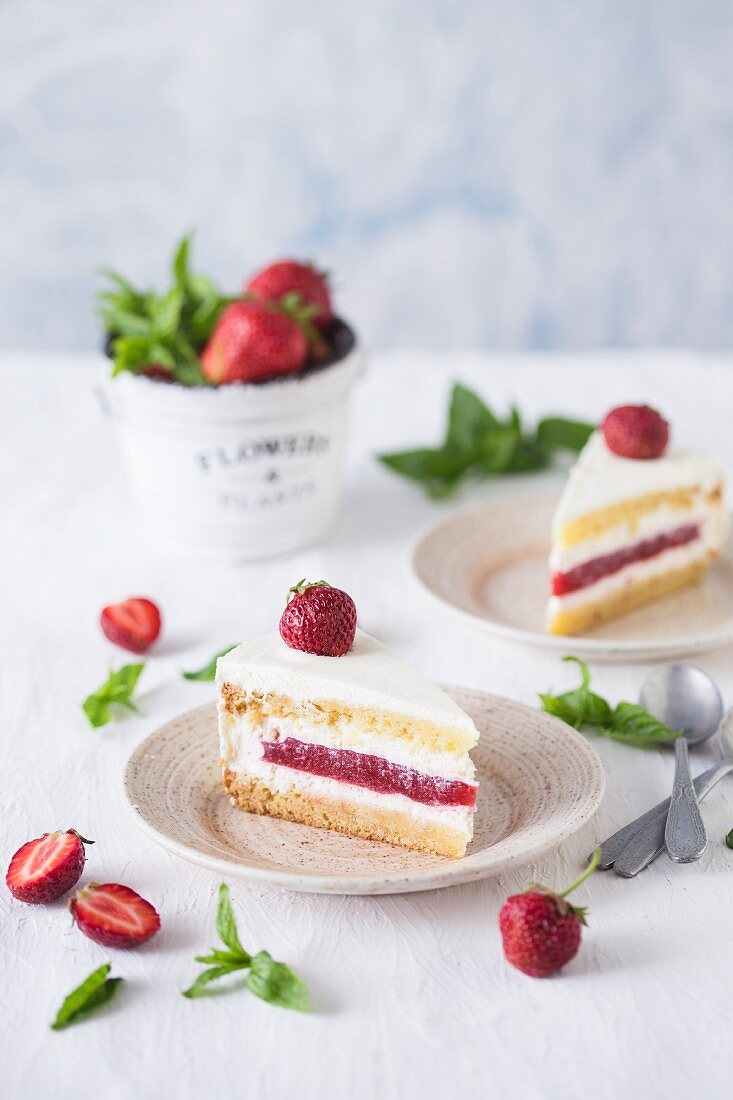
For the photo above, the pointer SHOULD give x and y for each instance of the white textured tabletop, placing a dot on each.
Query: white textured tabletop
(412, 996)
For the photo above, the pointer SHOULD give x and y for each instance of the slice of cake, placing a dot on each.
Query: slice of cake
(637, 521)
(359, 743)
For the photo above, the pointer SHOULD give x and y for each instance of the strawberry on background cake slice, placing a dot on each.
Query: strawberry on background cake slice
(638, 520)
(349, 739)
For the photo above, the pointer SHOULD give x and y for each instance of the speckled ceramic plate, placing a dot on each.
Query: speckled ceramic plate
(489, 566)
(539, 782)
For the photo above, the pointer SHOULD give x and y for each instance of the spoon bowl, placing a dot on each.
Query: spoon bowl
(684, 698)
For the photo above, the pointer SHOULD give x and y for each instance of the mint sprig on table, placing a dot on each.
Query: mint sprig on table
(272, 981)
(94, 991)
(478, 444)
(117, 690)
(208, 672)
(164, 330)
(627, 722)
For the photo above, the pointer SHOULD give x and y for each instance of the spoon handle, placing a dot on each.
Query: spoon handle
(684, 833)
(638, 844)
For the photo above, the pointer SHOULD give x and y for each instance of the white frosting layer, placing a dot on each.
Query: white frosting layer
(246, 760)
(368, 676)
(600, 478)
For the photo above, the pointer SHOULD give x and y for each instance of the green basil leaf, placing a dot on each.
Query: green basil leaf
(208, 672)
(277, 984)
(94, 991)
(729, 839)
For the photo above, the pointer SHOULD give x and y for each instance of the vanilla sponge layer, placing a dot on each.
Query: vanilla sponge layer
(263, 708)
(596, 607)
(381, 822)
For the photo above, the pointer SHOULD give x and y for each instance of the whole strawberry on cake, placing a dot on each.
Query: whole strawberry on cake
(639, 519)
(320, 724)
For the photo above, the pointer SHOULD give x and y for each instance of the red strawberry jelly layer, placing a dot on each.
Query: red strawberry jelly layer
(363, 770)
(597, 568)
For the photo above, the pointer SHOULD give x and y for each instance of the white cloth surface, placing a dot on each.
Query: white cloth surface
(412, 996)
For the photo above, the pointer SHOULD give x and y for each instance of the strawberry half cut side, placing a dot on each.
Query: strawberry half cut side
(114, 915)
(47, 867)
(133, 624)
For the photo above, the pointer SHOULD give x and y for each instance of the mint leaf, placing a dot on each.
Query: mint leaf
(272, 981)
(208, 672)
(630, 722)
(479, 444)
(627, 722)
(439, 471)
(168, 330)
(277, 984)
(557, 432)
(729, 839)
(117, 690)
(94, 991)
(199, 987)
(469, 420)
(580, 706)
(226, 925)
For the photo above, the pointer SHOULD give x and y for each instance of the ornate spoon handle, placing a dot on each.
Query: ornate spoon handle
(684, 833)
(637, 844)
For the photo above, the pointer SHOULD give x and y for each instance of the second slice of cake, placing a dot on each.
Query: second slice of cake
(360, 743)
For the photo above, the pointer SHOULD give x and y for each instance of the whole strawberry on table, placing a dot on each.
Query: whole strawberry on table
(282, 322)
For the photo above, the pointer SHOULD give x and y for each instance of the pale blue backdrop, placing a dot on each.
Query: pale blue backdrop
(477, 172)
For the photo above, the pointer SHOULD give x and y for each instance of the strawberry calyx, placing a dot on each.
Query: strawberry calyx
(563, 906)
(83, 839)
(302, 313)
(302, 586)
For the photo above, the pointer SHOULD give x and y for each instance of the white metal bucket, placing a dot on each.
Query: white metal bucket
(241, 471)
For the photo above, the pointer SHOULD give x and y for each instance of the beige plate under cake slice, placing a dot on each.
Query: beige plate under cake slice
(539, 782)
(489, 566)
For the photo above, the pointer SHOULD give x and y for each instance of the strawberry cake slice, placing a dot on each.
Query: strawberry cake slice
(637, 520)
(357, 742)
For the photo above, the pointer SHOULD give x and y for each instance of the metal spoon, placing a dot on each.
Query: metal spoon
(638, 844)
(684, 698)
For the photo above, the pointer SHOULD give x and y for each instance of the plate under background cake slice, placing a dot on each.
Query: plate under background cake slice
(362, 744)
(628, 530)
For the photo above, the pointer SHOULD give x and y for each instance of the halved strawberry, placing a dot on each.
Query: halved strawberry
(45, 868)
(133, 624)
(114, 915)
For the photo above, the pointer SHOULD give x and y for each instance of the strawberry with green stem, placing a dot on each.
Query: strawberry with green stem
(540, 929)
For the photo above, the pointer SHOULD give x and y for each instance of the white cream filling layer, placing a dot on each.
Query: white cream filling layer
(667, 560)
(663, 520)
(235, 729)
(243, 755)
